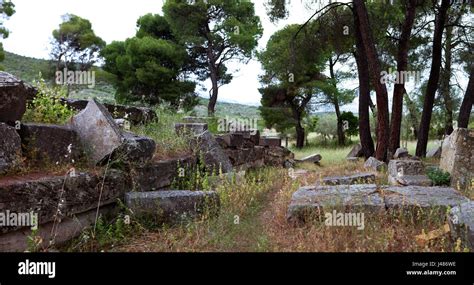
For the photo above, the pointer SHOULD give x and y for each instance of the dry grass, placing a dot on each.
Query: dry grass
(261, 204)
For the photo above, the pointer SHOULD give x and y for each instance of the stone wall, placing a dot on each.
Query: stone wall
(457, 158)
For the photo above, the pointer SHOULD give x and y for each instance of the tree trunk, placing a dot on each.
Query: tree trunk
(445, 88)
(341, 139)
(211, 107)
(380, 89)
(364, 95)
(433, 80)
(299, 135)
(466, 106)
(402, 64)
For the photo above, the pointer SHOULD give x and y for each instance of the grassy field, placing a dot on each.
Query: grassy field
(253, 219)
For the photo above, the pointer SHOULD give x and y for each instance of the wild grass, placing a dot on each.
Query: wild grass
(162, 131)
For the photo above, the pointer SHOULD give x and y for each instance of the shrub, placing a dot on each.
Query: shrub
(47, 106)
(439, 177)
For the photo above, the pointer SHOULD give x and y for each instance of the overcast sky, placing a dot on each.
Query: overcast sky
(32, 24)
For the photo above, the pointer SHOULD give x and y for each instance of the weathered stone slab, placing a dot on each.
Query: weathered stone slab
(360, 178)
(171, 207)
(214, 156)
(135, 150)
(13, 97)
(50, 143)
(373, 164)
(457, 158)
(414, 198)
(277, 156)
(10, 148)
(410, 180)
(312, 202)
(61, 233)
(356, 151)
(233, 140)
(269, 141)
(434, 153)
(461, 223)
(401, 153)
(407, 172)
(98, 132)
(161, 174)
(245, 155)
(406, 167)
(190, 128)
(315, 158)
(70, 194)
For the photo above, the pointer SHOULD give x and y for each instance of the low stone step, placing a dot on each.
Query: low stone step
(312, 202)
(461, 223)
(360, 178)
(172, 207)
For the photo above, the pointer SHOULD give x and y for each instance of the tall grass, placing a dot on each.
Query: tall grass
(162, 131)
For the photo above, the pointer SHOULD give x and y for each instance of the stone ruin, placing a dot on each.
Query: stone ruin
(67, 203)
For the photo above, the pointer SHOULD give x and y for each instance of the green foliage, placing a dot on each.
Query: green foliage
(327, 126)
(214, 32)
(161, 130)
(75, 43)
(27, 68)
(47, 107)
(7, 9)
(149, 67)
(439, 177)
(353, 123)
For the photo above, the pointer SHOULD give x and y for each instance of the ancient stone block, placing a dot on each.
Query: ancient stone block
(269, 141)
(13, 97)
(428, 199)
(314, 201)
(461, 223)
(373, 164)
(214, 156)
(457, 158)
(401, 153)
(171, 207)
(71, 194)
(315, 158)
(50, 143)
(161, 174)
(135, 150)
(190, 128)
(98, 132)
(356, 151)
(360, 178)
(10, 148)
(277, 156)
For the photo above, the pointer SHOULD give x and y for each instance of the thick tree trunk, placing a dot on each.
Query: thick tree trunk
(466, 106)
(364, 98)
(402, 64)
(433, 80)
(380, 89)
(445, 88)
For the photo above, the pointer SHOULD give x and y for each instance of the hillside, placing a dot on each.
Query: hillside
(26, 68)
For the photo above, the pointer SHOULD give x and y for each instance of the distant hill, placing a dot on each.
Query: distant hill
(25, 68)
(228, 109)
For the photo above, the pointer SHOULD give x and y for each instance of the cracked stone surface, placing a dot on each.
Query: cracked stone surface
(461, 223)
(359, 178)
(312, 201)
